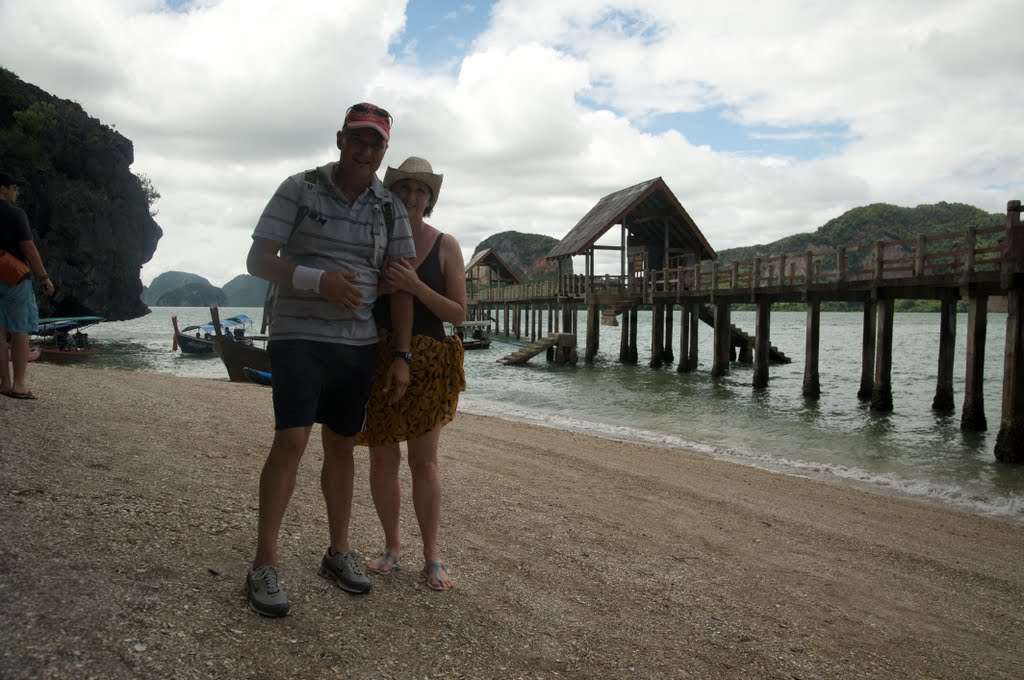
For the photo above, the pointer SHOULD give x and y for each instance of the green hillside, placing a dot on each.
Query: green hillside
(525, 253)
(245, 290)
(870, 223)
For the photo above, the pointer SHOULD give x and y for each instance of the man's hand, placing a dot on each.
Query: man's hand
(397, 380)
(48, 286)
(336, 286)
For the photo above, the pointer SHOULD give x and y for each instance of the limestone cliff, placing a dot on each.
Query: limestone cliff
(90, 214)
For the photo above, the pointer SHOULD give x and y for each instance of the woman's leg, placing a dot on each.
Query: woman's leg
(426, 495)
(386, 492)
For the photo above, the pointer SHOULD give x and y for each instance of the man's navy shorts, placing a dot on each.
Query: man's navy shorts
(321, 382)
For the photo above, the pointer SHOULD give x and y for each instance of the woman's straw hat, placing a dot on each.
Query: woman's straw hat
(416, 168)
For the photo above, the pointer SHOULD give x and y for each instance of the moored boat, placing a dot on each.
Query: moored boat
(471, 333)
(59, 343)
(199, 339)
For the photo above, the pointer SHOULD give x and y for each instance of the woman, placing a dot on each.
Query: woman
(436, 280)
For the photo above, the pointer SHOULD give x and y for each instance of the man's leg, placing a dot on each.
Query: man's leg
(5, 366)
(340, 564)
(19, 359)
(277, 482)
(336, 479)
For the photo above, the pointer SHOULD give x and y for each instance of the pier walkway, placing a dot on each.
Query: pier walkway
(973, 265)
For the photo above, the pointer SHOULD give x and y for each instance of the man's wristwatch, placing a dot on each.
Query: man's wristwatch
(403, 355)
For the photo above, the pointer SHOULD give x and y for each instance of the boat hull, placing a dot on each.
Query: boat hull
(189, 344)
(238, 356)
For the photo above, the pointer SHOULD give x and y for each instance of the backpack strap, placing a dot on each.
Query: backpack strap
(307, 200)
(309, 188)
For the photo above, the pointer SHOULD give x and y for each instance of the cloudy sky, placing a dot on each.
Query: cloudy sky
(765, 118)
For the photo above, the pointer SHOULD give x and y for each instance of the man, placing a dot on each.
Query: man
(19, 314)
(323, 239)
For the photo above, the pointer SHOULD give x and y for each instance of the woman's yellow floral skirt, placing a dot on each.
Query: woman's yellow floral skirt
(435, 379)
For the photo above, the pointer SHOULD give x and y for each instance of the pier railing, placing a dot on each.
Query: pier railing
(950, 259)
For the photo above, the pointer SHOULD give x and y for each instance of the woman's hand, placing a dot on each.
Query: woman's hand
(399, 276)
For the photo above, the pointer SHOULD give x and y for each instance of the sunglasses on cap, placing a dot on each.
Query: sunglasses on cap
(375, 111)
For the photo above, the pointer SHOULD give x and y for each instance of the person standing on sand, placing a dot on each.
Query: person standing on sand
(437, 282)
(19, 314)
(326, 258)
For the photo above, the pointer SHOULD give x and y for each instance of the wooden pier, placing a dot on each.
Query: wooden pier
(973, 265)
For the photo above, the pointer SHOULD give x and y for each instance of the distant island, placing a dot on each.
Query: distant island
(182, 289)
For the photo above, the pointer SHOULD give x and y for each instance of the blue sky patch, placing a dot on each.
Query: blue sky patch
(440, 31)
(716, 129)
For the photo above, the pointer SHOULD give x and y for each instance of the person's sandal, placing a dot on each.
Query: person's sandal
(432, 574)
(384, 564)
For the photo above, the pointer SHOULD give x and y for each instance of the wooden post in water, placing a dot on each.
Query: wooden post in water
(1010, 440)
(867, 350)
(633, 356)
(692, 356)
(593, 332)
(881, 395)
(624, 338)
(812, 382)
(722, 341)
(667, 355)
(657, 335)
(762, 340)
(943, 400)
(684, 339)
(972, 418)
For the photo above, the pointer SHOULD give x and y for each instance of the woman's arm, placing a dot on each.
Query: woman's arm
(450, 307)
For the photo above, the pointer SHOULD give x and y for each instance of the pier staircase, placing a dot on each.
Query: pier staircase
(742, 339)
(524, 354)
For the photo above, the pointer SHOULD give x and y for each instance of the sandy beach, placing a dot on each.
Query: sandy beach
(128, 506)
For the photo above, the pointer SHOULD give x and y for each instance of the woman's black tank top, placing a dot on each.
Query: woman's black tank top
(423, 320)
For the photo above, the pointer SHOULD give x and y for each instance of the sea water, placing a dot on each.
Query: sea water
(911, 451)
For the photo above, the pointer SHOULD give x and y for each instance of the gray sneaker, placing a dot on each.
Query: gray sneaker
(343, 569)
(265, 590)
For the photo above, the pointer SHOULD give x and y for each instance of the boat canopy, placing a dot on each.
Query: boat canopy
(54, 324)
(230, 322)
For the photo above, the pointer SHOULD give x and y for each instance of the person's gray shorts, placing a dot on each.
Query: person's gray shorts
(321, 382)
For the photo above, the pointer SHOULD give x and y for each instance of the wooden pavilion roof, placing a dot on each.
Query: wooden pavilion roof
(490, 259)
(646, 209)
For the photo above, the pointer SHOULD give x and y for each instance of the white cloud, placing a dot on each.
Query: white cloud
(545, 114)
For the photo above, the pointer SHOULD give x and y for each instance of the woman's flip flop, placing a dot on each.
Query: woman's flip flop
(435, 574)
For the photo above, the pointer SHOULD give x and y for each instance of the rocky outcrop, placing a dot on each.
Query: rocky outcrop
(196, 294)
(90, 214)
(525, 254)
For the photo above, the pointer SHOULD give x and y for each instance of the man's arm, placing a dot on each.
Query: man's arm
(28, 249)
(264, 262)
